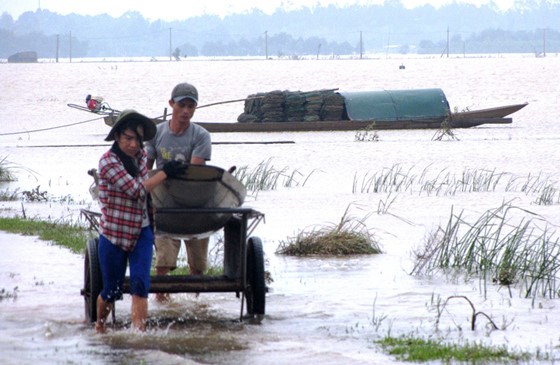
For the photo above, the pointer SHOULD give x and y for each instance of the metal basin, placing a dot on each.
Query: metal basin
(201, 186)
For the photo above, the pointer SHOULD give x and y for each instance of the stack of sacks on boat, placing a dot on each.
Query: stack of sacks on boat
(293, 106)
(252, 110)
(333, 106)
(272, 107)
(313, 103)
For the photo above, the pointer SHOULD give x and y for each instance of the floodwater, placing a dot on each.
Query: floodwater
(318, 310)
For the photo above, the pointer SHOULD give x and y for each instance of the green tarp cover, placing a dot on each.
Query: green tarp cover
(396, 104)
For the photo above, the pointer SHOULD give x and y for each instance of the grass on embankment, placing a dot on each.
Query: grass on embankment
(68, 235)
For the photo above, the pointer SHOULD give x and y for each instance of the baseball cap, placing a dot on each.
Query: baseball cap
(183, 91)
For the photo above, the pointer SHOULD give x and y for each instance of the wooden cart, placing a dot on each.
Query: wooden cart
(203, 200)
(243, 268)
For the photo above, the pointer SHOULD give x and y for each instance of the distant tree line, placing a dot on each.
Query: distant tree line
(497, 41)
(277, 45)
(322, 31)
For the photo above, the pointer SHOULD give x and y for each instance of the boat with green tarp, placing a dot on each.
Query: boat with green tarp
(334, 110)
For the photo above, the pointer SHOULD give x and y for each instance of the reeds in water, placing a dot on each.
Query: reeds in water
(368, 134)
(6, 173)
(267, 177)
(497, 250)
(388, 180)
(445, 183)
(549, 195)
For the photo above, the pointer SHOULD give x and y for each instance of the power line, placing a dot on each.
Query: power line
(50, 128)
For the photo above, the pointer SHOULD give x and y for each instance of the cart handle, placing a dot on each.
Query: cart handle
(208, 210)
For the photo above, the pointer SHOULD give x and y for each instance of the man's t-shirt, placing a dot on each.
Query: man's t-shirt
(166, 146)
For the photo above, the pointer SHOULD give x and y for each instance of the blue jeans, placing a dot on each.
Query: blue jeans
(113, 261)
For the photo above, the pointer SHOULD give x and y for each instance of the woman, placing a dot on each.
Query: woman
(126, 234)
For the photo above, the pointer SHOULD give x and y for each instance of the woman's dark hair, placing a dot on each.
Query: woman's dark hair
(129, 163)
(132, 125)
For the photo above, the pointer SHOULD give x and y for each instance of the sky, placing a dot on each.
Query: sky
(169, 10)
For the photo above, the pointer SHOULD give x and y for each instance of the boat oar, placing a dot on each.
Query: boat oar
(164, 116)
(229, 101)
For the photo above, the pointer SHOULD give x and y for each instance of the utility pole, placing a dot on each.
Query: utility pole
(266, 44)
(447, 41)
(361, 45)
(170, 45)
(388, 45)
(57, 46)
(544, 42)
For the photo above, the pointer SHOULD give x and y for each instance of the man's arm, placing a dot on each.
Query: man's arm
(194, 160)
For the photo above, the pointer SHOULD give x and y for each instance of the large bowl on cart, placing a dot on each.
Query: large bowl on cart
(201, 186)
(204, 200)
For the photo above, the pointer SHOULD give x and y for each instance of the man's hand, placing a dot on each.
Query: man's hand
(174, 168)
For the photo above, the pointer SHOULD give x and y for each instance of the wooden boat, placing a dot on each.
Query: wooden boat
(497, 112)
(373, 110)
(468, 119)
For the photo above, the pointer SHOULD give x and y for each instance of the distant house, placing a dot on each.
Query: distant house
(23, 57)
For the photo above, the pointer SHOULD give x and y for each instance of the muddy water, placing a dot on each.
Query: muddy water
(42, 321)
(318, 310)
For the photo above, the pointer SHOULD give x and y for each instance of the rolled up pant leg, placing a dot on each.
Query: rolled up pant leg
(197, 255)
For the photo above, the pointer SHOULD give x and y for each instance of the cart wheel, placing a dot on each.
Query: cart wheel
(255, 287)
(93, 283)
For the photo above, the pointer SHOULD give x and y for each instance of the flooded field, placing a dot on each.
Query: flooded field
(318, 310)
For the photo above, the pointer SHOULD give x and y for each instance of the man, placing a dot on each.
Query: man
(180, 139)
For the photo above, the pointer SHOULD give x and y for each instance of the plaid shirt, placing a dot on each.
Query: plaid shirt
(122, 199)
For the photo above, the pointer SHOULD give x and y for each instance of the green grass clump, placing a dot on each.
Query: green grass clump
(420, 350)
(69, 235)
(326, 242)
(349, 237)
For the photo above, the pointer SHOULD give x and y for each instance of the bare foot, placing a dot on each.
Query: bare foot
(100, 328)
(163, 298)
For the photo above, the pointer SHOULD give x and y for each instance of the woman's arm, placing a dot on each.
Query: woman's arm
(155, 180)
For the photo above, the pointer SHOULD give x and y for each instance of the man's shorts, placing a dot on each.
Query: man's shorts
(167, 251)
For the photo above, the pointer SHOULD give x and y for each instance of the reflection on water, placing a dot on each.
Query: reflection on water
(319, 310)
